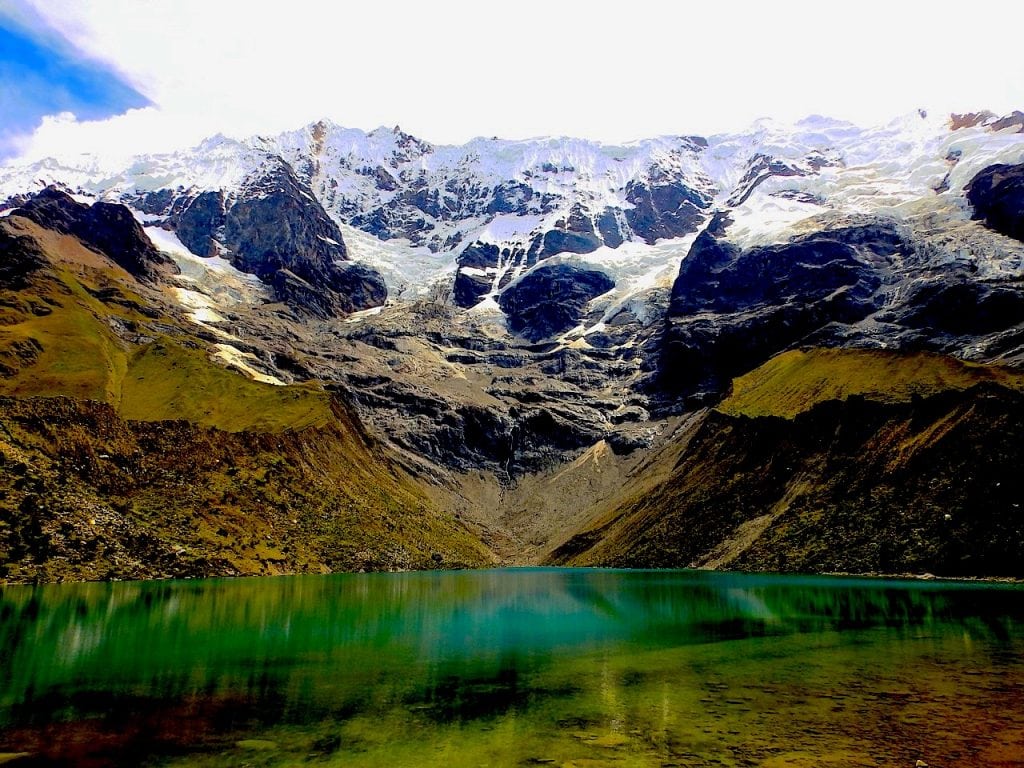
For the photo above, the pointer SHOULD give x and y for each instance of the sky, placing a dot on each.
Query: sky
(118, 77)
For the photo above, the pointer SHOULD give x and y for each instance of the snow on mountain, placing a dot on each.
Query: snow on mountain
(490, 211)
(410, 271)
(210, 285)
(881, 170)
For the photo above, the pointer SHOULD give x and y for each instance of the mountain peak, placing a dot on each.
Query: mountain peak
(552, 295)
(108, 228)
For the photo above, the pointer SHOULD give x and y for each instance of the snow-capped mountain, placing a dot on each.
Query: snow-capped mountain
(332, 220)
(492, 209)
(502, 307)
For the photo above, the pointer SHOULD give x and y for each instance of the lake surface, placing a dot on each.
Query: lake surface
(514, 668)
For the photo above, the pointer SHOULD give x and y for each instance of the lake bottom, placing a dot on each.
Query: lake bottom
(671, 672)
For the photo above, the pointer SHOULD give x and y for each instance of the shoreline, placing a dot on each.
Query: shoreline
(869, 576)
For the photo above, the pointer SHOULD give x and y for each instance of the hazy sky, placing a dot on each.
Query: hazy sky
(447, 70)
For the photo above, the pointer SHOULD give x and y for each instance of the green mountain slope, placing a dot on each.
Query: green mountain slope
(916, 470)
(795, 381)
(87, 494)
(126, 452)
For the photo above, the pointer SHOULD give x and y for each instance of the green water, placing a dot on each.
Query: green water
(514, 668)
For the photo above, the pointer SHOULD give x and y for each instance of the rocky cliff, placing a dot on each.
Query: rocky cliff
(272, 227)
(522, 325)
(997, 194)
(106, 228)
(913, 471)
(127, 450)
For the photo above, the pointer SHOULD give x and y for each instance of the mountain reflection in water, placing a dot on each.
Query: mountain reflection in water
(507, 666)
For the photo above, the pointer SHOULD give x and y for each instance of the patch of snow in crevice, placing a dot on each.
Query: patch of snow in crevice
(362, 314)
(764, 218)
(194, 266)
(979, 149)
(510, 228)
(211, 285)
(236, 358)
(636, 267)
(478, 272)
(490, 317)
(83, 199)
(201, 308)
(487, 305)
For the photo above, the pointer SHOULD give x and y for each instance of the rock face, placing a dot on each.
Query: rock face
(573, 234)
(478, 265)
(857, 281)
(664, 209)
(108, 228)
(20, 257)
(997, 194)
(277, 224)
(199, 222)
(838, 488)
(450, 394)
(129, 450)
(278, 232)
(732, 308)
(275, 229)
(965, 309)
(338, 290)
(551, 299)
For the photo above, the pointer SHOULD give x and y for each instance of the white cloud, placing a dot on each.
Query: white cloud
(116, 138)
(450, 70)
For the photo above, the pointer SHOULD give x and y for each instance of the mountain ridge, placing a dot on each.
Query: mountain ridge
(524, 344)
(496, 208)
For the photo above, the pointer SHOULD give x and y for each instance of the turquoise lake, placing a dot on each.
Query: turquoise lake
(514, 667)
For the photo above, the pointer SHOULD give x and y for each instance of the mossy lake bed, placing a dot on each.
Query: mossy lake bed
(514, 667)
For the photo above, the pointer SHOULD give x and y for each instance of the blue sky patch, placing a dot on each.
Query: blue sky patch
(39, 76)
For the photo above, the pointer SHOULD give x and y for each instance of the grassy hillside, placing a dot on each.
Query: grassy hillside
(85, 494)
(880, 483)
(126, 452)
(59, 340)
(165, 380)
(796, 381)
(52, 341)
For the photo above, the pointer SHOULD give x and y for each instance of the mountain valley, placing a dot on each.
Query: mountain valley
(797, 348)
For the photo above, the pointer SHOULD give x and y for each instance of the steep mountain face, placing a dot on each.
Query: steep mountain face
(997, 194)
(732, 308)
(913, 471)
(104, 227)
(507, 316)
(272, 227)
(20, 257)
(127, 450)
(551, 300)
(863, 281)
